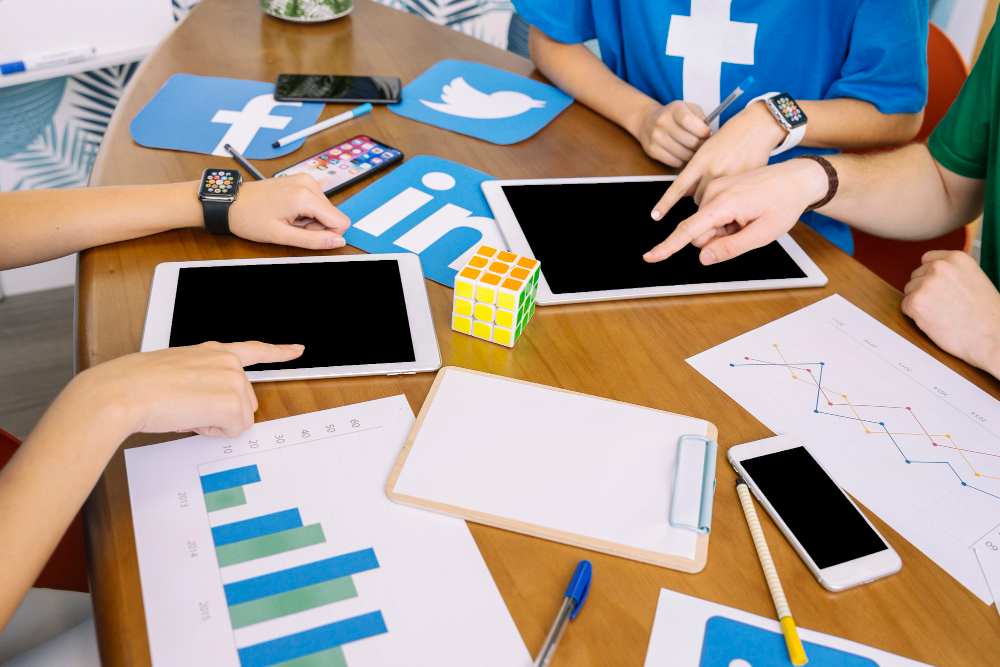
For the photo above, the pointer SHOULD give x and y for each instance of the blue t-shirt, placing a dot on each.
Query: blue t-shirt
(700, 50)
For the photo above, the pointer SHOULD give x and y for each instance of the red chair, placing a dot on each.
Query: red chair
(892, 260)
(67, 568)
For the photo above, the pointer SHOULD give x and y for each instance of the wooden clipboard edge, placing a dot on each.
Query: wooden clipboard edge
(692, 566)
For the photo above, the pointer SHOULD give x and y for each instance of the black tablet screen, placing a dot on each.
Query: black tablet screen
(345, 313)
(591, 237)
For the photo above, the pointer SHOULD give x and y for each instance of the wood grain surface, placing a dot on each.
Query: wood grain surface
(631, 351)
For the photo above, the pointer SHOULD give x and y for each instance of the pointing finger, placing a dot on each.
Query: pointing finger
(254, 352)
(705, 219)
(684, 181)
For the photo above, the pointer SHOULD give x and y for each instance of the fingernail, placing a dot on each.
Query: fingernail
(648, 256)
(655, 215)
(332, 242)
(297, 347)
(707, 257)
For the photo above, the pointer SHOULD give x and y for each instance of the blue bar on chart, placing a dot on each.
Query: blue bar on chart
(313, 641)
(302, 576)
(260, 526)
(228, 479)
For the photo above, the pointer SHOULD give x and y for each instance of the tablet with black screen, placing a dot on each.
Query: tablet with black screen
(355, 315)
(590, 235)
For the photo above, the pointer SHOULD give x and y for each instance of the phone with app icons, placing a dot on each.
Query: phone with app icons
(340, 166)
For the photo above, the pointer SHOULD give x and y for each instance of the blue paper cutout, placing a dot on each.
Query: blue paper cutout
(430, 206)
(727, 640)
(180, 117)
(481, 101)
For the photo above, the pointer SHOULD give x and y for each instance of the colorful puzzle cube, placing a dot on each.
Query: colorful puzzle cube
(495, 295)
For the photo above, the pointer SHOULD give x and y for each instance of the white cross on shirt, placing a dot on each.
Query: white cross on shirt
(705, 40)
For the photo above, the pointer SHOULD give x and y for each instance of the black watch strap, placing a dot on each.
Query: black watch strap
(216, 216)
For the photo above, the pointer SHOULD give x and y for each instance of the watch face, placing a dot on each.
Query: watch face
(789, 109)
(219, 183)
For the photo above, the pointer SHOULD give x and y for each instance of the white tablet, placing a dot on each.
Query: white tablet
(355, 314)
(590, 235)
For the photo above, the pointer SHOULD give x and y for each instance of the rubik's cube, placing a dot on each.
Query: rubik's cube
(495, 295)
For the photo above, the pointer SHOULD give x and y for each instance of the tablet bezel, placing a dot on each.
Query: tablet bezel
(516, 241)
(160, 311)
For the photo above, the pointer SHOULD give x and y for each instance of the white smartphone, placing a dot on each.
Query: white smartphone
(835, 539)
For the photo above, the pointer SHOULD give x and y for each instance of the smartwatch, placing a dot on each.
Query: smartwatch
(217, 192)
(789, 115)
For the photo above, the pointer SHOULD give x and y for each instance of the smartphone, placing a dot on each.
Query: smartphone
(835, 539)
(328, 88)
(340, 166)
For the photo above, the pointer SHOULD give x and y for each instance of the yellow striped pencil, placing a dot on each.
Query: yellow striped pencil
(795, 650)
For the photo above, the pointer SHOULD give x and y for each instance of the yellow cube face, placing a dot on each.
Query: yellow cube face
(493, 295)
(463, 306)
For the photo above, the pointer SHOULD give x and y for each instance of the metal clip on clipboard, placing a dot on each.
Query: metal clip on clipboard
(707, 484)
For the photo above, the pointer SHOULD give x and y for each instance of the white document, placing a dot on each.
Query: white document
(989, 561)
(369, 582)
(578, 464)
(689, 632)
(909, 438)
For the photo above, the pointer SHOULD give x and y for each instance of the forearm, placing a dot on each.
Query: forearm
(45, 484)
(901, 194)
(847, 123)
(44, 224)
(581, 74)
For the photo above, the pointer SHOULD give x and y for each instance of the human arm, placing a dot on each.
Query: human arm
(37, 225)
(902, 194)
(669, 133)
(201, 388)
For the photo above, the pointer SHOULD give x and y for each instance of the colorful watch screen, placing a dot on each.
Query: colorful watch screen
(215, 182)
(789, 109)
(343, 163)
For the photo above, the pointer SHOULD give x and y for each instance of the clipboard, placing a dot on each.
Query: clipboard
(469, 455)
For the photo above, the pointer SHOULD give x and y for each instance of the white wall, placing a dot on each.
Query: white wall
(47, 275)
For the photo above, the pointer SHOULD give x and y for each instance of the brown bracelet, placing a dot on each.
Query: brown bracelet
(831, 175)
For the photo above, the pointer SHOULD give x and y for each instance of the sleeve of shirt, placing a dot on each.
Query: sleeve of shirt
(566, 21)
(961, 141)
(886, 61)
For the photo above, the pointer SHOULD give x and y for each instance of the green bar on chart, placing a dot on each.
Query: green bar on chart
(331, 657)
(292, 602)
(268, 545)
(221, 500)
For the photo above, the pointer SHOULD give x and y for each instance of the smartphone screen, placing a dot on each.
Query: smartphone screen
(338, 88)
(338, 166)
(829, 527)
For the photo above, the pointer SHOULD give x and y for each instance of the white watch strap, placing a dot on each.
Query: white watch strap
(794, 136)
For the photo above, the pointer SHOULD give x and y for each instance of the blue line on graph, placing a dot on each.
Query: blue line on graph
(227, 479)
(312, 641)
(300, 577)
(819, 390)
(258, 526)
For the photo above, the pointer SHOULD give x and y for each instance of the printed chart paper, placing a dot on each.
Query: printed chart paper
(279, 547)
(689, 632)
(909, 438)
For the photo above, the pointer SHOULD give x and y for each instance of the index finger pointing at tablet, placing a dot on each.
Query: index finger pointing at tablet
(707, 218)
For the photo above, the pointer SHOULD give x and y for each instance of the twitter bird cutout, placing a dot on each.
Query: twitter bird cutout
(481, 101)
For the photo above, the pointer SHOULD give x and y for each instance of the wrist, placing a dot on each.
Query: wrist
(635, 121)
(810, 180)
(764, 122)
(97, 398)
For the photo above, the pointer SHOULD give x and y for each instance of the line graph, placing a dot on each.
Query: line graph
(864, 423)
(909, 438)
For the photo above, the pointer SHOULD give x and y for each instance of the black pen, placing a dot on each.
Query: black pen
(243, 163)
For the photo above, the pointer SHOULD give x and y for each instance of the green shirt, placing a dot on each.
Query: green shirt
(967, 142)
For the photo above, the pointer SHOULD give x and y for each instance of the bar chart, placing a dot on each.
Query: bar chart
(280, 548)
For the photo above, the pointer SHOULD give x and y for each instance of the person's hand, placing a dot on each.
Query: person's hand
(747, 211)
(201, 388)
(953, 301)
(672, 133)
(745, 142)
(291, 210)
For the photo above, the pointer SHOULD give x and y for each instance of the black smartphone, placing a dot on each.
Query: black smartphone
(340, 166)
(329, 88)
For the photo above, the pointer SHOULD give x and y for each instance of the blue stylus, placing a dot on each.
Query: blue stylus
(575, 596)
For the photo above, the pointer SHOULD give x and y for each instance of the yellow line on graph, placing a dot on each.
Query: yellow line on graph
(785, 360)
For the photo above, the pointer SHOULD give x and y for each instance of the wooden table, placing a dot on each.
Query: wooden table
(629, 351)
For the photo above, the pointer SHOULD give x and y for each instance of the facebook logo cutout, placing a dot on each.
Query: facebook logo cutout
(481, 101)
(202, 114)
(729, 643)
(428, 206)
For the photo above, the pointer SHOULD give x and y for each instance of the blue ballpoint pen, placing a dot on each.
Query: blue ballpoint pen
(740, 89)
(576, 594)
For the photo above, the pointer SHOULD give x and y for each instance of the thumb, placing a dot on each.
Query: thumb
(326, 213)
(254, 352)
(300, 237)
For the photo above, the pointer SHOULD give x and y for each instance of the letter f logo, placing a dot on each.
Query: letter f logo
(243, 125)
